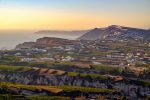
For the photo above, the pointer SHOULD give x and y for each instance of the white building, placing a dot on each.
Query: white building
(68, 58)
(47, 59)
(27, 59)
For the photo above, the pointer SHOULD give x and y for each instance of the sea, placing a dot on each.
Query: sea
(10, 38)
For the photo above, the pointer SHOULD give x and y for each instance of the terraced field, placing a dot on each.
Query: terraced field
(39, 92)
(33, 70)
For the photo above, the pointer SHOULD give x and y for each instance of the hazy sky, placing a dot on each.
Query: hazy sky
(73, 14)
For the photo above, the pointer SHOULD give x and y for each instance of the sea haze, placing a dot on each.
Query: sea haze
(9, 39)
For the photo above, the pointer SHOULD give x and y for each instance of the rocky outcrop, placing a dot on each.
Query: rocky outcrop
(49, 41)
(46, 42)
(128, 89)
(26, 45)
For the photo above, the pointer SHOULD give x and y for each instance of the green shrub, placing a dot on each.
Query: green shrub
(48, 98)
(85, 89)
(92, 76)
(72, 74)
(103, 69)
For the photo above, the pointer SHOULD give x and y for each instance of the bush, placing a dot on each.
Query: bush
(48, 98)
(107, 69)
(73, 74)
(92, 76)
(86, 89)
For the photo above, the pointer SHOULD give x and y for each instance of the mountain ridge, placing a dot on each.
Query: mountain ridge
(116, 32)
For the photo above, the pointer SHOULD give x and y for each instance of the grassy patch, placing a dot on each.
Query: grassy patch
(65, 63)
(55, 89)
(107, 69)
(72, 74)
(140, 82)
(14, 68)
(92, 76)
(96, 53)
(30, 87)
(68, 90)
(48, 98)
(86, 89)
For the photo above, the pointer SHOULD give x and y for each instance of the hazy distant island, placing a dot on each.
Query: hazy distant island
(110, 32)
(76, 32)
(113, 33)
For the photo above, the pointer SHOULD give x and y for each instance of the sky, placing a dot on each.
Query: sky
(73, 14)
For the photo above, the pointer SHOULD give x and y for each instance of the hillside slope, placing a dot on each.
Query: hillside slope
(115, 32)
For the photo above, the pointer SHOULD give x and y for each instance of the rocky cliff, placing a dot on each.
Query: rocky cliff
(46, 42)
(128, 88)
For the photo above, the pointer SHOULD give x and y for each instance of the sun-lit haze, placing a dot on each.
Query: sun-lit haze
(73, 14)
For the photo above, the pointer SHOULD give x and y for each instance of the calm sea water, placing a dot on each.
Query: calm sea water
(9, 39)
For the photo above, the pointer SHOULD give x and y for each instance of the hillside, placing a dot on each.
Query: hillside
(115, 32)
(46, 42)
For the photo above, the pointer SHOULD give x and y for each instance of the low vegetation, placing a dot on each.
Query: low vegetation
(92, 76)
(96, 53)
(11, 91)
(14, 68)
(48, 98)
(140, 82)
(103, 69)
(86, 89)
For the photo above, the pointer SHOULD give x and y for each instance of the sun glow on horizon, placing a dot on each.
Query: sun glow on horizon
(17, 17)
